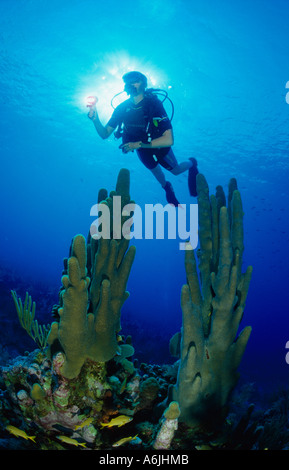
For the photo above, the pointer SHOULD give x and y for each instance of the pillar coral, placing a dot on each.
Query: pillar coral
(212, 302)
(94, 290)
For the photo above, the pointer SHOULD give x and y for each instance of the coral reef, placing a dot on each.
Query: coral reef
(50, 401)
(210, 350)
(84, 389)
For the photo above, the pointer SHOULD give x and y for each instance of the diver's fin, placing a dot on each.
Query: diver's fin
(192, 177)
(170, 194)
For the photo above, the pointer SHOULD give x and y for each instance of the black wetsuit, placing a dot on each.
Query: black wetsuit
(138, 119)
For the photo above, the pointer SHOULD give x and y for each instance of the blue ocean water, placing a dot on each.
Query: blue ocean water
(225, 65)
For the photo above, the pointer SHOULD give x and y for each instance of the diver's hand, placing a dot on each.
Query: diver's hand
(92, 113)
(130, 146)
(91, 104)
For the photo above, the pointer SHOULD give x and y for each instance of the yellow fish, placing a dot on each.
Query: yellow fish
(87, 422)
(69, 440)
(19, 433)
(121, 420)
(124, 440)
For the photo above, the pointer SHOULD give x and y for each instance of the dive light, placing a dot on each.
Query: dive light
(91, 101)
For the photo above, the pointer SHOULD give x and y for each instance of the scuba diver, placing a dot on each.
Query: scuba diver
(144, 126)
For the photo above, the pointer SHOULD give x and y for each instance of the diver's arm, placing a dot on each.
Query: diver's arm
(103, 131)
(166, 140)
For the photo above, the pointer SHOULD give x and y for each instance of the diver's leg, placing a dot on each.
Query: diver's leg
(170, 194)
(178, 168)
(170, 162)
(181, 167)
(159, 175)
(192, 166)
(150, 163)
